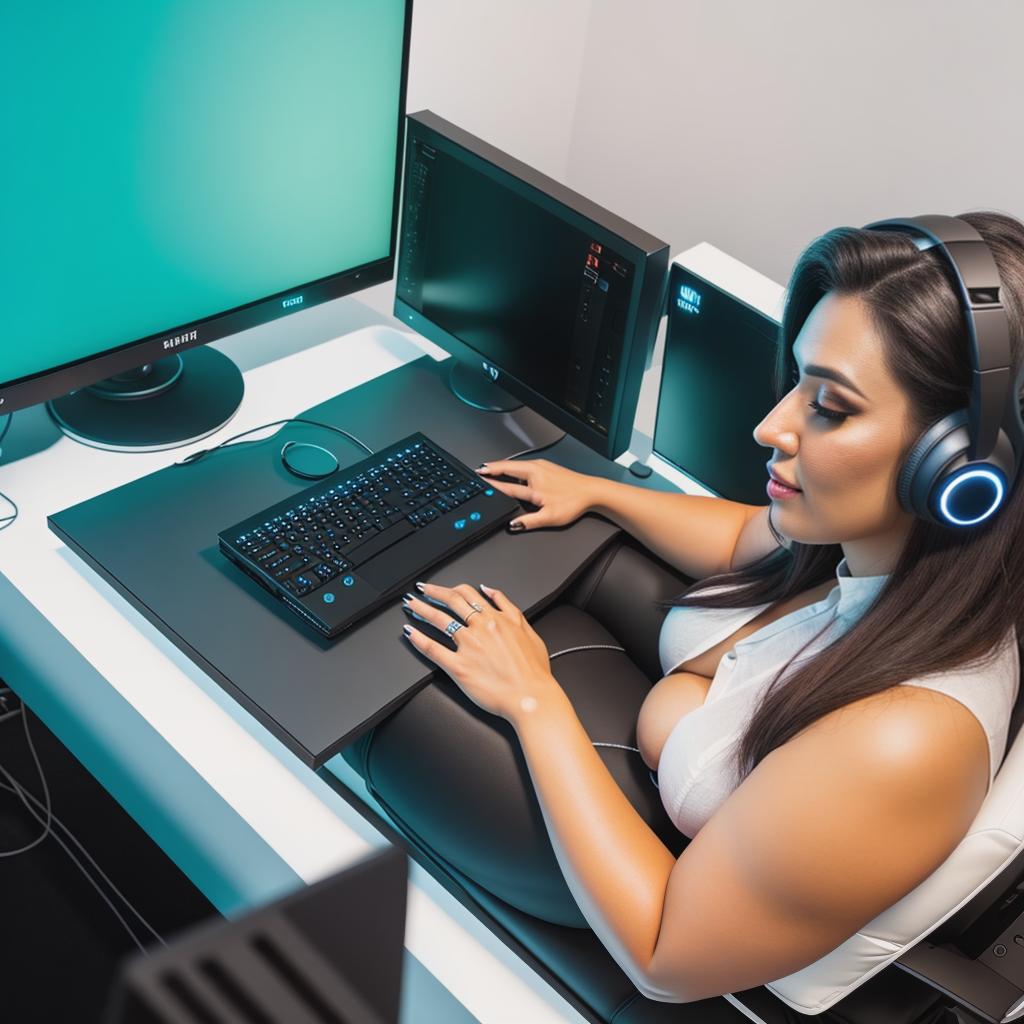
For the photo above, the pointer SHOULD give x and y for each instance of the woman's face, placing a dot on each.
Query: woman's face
(845, 456)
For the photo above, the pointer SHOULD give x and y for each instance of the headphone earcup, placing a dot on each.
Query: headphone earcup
(942, 446)
(937, 467)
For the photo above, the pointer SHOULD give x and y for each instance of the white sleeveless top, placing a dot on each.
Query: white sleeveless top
(696, 771)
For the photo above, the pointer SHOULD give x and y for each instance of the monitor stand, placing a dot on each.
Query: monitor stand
(477, 388)
(165, 404)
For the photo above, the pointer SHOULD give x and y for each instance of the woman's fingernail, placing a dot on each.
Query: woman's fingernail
(420, 587)
(407, 597)
(515, 526)
(483, 465)
(407, 630)
(486, 589)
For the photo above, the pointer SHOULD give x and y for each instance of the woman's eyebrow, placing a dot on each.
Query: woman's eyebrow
(812, 370)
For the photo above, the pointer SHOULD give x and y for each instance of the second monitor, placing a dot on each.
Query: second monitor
(718, 378)
(527, 283)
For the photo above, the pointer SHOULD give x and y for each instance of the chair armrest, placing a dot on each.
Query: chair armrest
(974, 985)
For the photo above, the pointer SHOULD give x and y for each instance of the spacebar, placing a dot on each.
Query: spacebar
(383, 540)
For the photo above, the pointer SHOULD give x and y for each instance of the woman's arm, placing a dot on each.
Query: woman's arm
(788, 868)
(783, 872)
(617, 869)
(696, 534)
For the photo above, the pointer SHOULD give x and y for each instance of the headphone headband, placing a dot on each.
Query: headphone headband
(988, 331)
(963, 467)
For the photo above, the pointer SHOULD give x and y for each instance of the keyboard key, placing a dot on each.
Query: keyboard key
(423, 516)
(306, 581)
(292, 565)
(362, 552)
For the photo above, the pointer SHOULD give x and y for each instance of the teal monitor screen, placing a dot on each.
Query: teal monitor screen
(169, 161)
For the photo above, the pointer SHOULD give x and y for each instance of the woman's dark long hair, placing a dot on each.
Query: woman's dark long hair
(953, 594)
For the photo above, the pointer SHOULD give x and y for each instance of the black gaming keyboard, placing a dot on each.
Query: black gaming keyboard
(340, 549)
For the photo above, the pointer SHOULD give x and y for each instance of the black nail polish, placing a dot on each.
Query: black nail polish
(407, 630)
(419, 587)
(515, 527)
(407, 597)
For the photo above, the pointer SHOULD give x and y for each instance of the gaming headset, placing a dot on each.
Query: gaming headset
(962, 469)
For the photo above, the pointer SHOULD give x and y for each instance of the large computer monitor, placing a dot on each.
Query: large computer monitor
(718, 377)
(527, 283)
(175, 173)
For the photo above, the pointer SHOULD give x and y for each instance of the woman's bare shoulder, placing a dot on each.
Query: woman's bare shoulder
(931, 745)
(828, 831)
(905, 771)
(910, 727)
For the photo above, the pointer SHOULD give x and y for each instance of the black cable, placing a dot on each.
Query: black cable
(21, 794)
(28, 799)
(5, 521)
(537, 448)
(46, 794)
(596, 743)
(196, 456)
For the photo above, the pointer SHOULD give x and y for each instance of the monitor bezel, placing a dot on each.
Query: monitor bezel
(649, 254)
(74, 375)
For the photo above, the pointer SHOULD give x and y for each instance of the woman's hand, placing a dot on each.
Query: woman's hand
(500, 662)
(562, 494)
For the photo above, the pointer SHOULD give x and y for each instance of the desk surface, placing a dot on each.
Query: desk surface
(230, 804)
(155, 541)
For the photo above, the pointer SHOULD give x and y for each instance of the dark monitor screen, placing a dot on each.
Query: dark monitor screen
(180, 161)
(497, 262)
(716, 386)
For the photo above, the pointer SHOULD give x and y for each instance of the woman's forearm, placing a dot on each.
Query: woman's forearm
(695, 533)
(615, 865)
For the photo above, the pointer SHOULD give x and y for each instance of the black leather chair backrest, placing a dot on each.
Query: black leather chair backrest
(622, 588)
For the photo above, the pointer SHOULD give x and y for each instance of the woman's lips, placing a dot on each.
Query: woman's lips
(780, 491)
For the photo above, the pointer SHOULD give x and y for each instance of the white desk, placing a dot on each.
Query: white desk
(235, 810)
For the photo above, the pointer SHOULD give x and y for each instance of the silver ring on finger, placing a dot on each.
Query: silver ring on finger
(453, 627)
(475, 607)
(472, 613)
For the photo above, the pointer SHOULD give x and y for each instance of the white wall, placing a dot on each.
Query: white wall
(757, 125)
(506, 71)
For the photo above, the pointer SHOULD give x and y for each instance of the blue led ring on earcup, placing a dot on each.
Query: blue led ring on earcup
(938, 483)
(970, 495)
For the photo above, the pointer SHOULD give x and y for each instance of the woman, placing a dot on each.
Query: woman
(898, 682)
